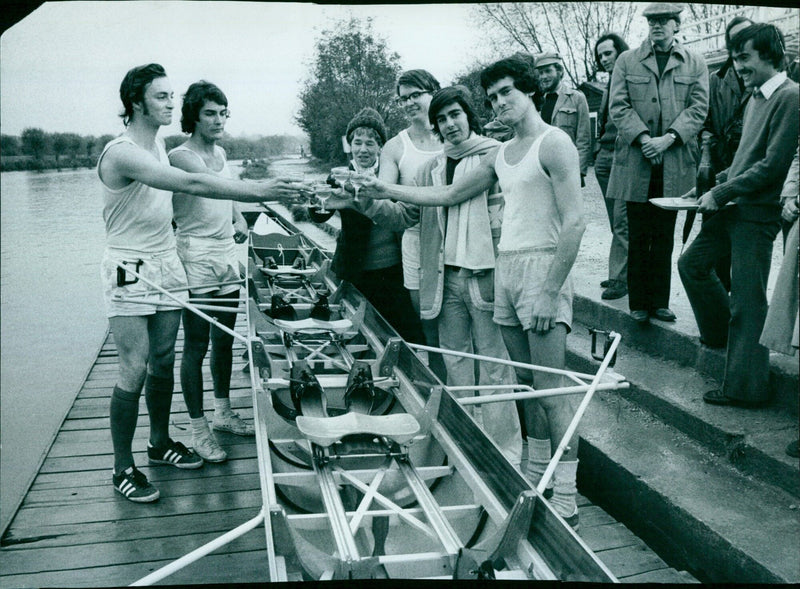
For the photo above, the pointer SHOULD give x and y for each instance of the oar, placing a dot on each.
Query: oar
(192, 287)
(217, 308)
(188, 306)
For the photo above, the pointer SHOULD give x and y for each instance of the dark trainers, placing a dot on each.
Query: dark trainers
(133, 485)
(271, 263)
(175, 454)
(299, 263)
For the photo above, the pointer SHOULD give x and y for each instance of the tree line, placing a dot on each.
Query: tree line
(353, 67)
(36, 149)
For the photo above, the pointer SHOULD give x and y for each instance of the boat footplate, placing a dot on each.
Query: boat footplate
(480, 561)
(314, 326)
(325, 431)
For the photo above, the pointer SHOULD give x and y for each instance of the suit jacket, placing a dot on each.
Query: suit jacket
(641, 102)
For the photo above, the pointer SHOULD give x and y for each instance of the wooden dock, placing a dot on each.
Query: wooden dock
(73, 530)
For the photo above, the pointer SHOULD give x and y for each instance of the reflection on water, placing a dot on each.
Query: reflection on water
(51, 242)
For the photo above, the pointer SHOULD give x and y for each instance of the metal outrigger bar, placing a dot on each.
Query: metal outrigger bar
(608, 358)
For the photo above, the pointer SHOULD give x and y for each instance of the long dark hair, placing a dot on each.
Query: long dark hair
(194, 99)
(133, 86)
(619, 45)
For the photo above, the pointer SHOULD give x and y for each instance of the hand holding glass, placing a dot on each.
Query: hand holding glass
(322, 192)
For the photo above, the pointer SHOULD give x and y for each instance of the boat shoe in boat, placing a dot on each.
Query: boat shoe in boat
(359, 394)
(134, 486)
(306, 392)
(280, 309)
(321, 309)
(176, 454)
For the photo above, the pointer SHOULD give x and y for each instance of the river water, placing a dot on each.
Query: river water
(51, 306)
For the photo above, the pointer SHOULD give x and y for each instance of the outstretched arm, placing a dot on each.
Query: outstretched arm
(478, 180)
(125, 162)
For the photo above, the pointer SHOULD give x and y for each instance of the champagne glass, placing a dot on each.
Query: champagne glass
(357, 180)
(322, 192)
(341, 175)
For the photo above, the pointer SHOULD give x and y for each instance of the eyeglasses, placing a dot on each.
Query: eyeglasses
(658, 20)
(409, 97)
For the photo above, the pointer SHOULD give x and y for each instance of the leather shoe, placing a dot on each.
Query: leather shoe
(664, 314)
(605, 284)
(717, 397)
(641, 317)
(615, 290)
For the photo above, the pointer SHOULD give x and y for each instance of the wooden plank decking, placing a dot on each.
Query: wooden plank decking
(74, 530)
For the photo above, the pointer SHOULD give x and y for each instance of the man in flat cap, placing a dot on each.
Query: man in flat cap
(659, 102)
(562, 107)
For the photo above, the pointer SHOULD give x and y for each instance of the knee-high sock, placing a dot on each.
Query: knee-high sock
(565, 488)
(124, 413)
(158, 395)
(539, 455)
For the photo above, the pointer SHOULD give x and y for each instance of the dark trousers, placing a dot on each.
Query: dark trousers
(651, 232)
(384, 289)
(738, 317)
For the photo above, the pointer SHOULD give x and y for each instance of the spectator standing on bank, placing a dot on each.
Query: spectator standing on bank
(562, 107)
(658, 101)
(722, 132)
(606, 51)
(747, 229)
(781, 326)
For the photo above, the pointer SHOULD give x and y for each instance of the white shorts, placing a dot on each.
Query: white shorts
(208, 263)
(410, 252)
(162, 268)
(518, 279)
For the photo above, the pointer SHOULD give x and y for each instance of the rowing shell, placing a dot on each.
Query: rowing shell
(409, 487)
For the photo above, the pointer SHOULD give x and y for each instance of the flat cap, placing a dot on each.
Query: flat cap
(547, 59)
(662, 9)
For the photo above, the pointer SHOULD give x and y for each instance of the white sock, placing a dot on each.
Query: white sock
(222, 407)
(565, 488)
(538, 459)
(199, 427)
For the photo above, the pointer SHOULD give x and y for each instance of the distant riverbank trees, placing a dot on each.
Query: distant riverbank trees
(36, 149)
(352, 68)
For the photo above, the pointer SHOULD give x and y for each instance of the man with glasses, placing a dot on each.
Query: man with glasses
(401, 159)
(206, 233)
(658, 101)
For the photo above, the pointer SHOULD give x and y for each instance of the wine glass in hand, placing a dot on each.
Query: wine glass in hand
(341, 175)
(322, 192)
(357, 180)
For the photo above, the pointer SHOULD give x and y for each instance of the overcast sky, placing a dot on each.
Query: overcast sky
(62, 65)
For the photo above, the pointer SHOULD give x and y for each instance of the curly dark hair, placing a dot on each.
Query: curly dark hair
(194, 99)
(517, 67)
(134, 85)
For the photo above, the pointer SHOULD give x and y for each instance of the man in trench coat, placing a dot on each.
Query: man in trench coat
(659, 102)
